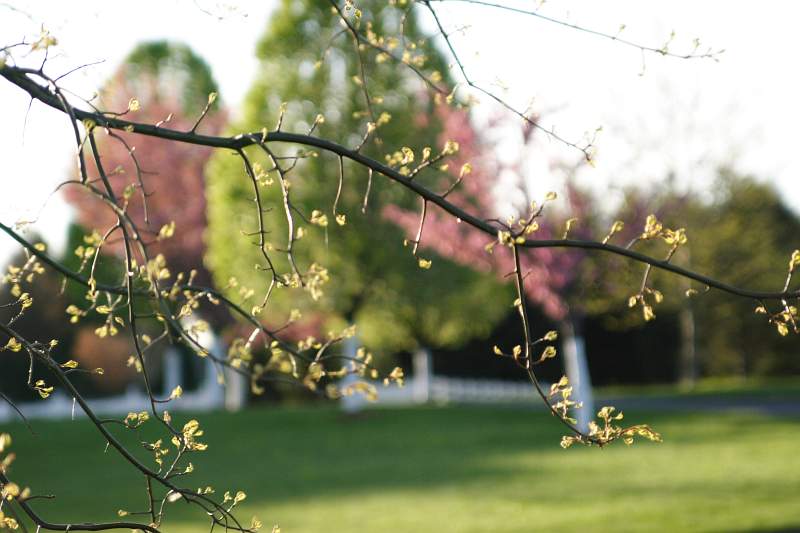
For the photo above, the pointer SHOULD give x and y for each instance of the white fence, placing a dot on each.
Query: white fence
(424, 387)
(444, 390)
(209, 395)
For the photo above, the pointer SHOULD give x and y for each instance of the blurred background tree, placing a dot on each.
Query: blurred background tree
(559, 282)
(52, 294)
(159, 82)
(49, 310)
(740, 236)
(306, 60)
(737, 234)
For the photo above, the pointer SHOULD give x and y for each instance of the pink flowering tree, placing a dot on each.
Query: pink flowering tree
(161, 83)
(554, 277)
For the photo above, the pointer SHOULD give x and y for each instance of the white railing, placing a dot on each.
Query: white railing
(209, 395)
(424, 387)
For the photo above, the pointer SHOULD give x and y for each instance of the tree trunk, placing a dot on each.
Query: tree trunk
(688, 365)
(577, 368)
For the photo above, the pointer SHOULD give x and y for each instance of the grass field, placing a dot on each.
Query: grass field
(468, 469)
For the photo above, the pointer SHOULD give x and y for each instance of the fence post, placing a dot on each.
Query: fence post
(354, 403)
(5, 412)
(237, 385)
(236, 389)
(173, 370)
(577, 368)
(422, 367)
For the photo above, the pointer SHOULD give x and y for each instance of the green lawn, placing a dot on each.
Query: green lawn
(446, 470)
(764, 387)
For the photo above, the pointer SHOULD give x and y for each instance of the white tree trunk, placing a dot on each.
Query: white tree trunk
(577, 369)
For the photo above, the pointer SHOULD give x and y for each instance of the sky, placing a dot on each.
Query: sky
(658, 114)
